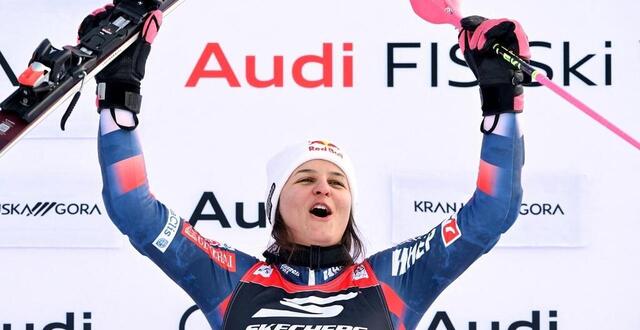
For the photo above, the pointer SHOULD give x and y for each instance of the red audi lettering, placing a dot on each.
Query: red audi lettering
(200, 70)
(299, 70)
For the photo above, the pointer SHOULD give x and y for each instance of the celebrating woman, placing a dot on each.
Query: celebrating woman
(315, 274)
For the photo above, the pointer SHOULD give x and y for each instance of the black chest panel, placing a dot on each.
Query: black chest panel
(337, 306)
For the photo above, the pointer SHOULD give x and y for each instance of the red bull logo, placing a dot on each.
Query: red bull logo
(327, 146)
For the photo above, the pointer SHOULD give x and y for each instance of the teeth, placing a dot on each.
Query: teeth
(320, 210)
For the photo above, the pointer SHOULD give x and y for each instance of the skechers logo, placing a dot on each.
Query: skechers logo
(284, 326)
(308, 307)
(44, 208)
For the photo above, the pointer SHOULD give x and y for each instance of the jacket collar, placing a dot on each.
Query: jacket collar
(314, 257)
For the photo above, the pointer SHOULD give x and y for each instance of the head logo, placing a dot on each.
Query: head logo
(450, 231)
(319, 145)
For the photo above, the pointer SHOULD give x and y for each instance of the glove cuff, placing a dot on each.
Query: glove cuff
(499, 98)
(116, 94)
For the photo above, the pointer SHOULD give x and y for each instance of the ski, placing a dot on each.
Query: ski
(54, 75)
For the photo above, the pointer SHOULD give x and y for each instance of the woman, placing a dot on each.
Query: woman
(314, 276)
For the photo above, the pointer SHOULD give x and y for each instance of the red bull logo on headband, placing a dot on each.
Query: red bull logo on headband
(325, 146)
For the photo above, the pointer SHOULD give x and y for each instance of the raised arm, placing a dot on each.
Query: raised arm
(416, 271)
(207, 270)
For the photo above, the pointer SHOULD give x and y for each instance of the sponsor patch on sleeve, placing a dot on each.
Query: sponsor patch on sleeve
(264, 271)
(359, 273)
(450, 231)
(222, 255)
(168, 233)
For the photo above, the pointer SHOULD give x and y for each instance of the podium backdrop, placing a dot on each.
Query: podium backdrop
(570, 262)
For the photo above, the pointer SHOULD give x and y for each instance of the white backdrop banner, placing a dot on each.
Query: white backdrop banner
(230, 83)
(51, 206)
(550, 214)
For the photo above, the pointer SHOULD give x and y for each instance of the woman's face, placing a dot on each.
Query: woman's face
(315, 203)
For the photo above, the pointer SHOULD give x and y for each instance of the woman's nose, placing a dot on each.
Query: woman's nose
(322, 188)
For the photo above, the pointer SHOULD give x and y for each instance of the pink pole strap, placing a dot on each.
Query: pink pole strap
(541, 78)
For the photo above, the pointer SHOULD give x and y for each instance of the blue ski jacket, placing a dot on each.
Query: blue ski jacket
(391, 289)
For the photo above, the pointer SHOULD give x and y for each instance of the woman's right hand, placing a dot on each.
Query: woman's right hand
(119, 83)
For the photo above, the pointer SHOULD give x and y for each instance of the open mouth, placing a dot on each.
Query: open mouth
(320, 210)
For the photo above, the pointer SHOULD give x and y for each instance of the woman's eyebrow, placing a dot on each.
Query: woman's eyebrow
(305, 170)
(308, 170)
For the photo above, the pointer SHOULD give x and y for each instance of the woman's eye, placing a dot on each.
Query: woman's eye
(337, 183)
(305, 180)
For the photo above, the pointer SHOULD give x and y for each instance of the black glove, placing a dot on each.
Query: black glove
(118, 85)
(500, 83)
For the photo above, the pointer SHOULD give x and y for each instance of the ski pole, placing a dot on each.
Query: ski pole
(448, 12)
(520, 64)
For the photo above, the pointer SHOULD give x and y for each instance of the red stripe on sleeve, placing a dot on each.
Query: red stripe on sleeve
(222, 308)
(487, 178)
(130, 173)
(394, 302)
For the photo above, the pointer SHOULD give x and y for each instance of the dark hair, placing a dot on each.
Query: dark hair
(350, 241)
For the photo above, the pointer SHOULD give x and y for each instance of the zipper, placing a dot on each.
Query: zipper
(384, 303)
